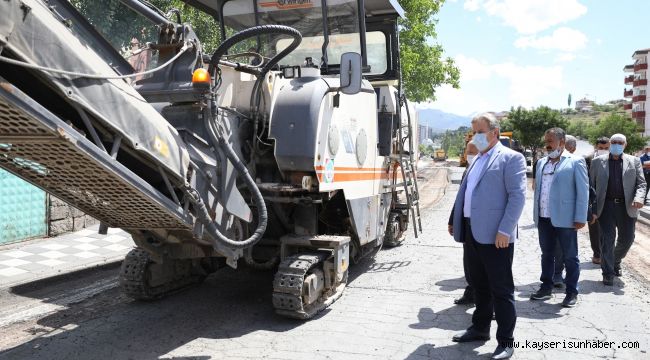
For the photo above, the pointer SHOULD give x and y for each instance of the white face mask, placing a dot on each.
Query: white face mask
(555, 153)
(602, 152)
(647, 154)
(470, 159)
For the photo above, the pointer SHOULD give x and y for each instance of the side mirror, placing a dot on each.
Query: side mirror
(350, 73)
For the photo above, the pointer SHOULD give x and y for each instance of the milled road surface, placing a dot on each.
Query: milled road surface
(397, 306)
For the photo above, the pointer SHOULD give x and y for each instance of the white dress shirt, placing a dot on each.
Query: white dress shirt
(548, 173)
(473, 176)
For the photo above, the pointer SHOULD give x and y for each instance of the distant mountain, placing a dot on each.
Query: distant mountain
(440, 121)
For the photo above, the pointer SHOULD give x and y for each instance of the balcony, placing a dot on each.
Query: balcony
(638, 98)
(627, 107)
(640, 82)
(627, 93)
(638, 114)
(639, 67)
(629, 79)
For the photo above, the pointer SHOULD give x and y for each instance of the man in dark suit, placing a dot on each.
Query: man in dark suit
(468, 295)
(488, 205)
(620, 188)
(602, 148)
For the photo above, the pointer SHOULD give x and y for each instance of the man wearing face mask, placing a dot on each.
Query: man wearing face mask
(468, 295)
(601, 148)
(570, 145)
(620, 188)
(560, 209)
(645, 163)
(486, 212)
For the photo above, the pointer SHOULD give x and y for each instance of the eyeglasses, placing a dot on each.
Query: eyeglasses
(552, 171)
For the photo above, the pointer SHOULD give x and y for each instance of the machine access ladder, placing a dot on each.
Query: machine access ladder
(406, 162)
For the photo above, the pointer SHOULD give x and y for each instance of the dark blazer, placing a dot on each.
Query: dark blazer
(451, 216)
(633, 182)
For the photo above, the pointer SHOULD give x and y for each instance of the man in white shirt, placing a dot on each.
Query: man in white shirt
(560, 209)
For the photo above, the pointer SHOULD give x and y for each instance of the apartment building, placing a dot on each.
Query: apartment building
(636, 76)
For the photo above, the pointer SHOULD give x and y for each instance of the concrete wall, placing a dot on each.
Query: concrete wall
(66, 218)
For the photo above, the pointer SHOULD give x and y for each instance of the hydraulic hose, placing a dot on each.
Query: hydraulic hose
(201, 209)
(267, 265)
(218, 139)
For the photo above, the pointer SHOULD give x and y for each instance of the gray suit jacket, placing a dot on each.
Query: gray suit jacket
(633, 182)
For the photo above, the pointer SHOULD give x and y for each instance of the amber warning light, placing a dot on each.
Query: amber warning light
(200, 78)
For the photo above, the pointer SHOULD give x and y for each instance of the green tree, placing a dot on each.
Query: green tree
(425, 149)
(616, 123)
(577, 128)
(119, 24)
(506, 125)
(529, 125)
(604, 107)
(423, 66)
(204, 25)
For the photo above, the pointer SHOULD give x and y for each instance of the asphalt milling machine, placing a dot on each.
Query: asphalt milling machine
(290, 147)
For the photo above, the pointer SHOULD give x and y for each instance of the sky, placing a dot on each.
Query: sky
(537, 52)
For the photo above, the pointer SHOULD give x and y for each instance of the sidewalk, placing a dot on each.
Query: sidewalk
(47, 257)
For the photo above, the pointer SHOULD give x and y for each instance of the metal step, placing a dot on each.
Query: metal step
(42, 149)
(398, 185)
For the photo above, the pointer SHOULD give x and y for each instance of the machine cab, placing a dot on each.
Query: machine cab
(329, 28)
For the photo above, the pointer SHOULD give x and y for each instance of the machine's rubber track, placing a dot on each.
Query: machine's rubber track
(288, 287)
(134, 278)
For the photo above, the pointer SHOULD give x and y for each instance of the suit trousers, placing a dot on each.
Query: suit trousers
(559, 264)
(490, 272)
(614, 217)
(549, 238)
(594, 238)
(469, 290)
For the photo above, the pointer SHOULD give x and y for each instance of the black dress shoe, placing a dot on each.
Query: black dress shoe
(608, 280)
(464, 300)
(471, 335)
(502, 352)
(570, 300)
(541, 294)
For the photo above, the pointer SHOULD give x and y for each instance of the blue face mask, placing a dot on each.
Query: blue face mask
(481, 142)
(616, 149)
